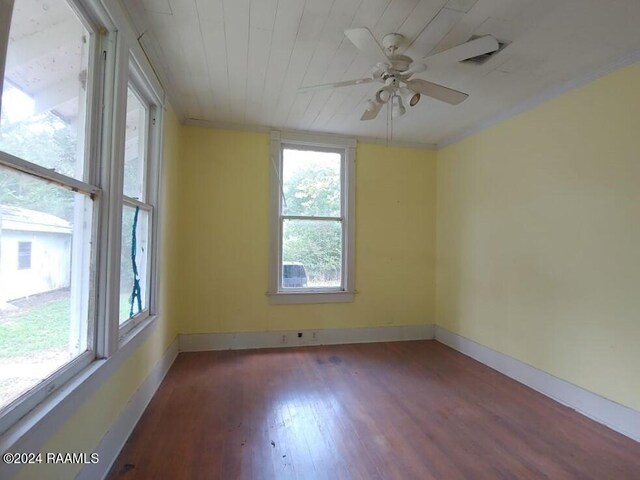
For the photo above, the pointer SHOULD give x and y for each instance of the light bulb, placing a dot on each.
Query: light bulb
(410, 97)
(397, 109)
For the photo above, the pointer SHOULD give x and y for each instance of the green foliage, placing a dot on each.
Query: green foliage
(46, 140)
(315, 244)
(314, 191)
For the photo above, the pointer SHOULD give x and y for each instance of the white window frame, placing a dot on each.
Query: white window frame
(347, 148)
(89, 185)
(153, 140)
(115, 59)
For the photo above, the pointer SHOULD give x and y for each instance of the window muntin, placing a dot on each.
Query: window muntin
(311, 219)
(44, 97)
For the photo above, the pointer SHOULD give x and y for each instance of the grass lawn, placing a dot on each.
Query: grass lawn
(40, 328)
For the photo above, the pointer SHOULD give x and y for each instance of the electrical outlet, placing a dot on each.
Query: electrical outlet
(314, 336)
(283, 340)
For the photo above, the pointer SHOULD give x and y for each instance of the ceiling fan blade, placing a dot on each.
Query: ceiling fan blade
(364, 40)
(439, 92)
(470, 49)
(372, 110)
(346, 83)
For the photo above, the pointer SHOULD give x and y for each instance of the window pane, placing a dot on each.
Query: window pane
(45, 241)
(311, 254)
(311, 183)
(44, 95)
(133, 294)
(134, 149)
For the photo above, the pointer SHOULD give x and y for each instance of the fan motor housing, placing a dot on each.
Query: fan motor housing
(400, 62)
(392, 41)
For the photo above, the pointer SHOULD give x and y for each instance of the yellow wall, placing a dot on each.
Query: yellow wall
(84, 430)
(539, 237)
(224, 230)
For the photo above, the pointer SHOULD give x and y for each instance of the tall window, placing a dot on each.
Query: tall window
(136, 213)
(47, 193)
(77, 194)
(313, 220)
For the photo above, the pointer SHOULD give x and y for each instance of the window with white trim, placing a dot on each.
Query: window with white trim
(79, 174)
(312, 219)
(49, 201)
(137, 210)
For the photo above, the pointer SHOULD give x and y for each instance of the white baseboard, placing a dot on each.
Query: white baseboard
(331, 336)
(622, 419)
(113, 441)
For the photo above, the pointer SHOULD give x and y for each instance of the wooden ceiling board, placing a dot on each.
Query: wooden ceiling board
(242, 61)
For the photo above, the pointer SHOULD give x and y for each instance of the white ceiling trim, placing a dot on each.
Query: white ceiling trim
(265, 129)
(533, 102)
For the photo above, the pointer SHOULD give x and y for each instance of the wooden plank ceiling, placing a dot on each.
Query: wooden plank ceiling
(242, 61)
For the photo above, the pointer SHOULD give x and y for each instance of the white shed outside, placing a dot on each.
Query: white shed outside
(35, 253)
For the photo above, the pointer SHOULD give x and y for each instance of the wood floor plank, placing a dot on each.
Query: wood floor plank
(397, 410)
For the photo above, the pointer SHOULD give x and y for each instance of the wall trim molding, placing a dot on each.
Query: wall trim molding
(622, 419)
(196, 122)
(330, 336)
(548, 94)
(112, 442)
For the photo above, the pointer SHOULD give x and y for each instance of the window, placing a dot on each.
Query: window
(47, 203)
(79, 172)
(24, 255)
(137, 209)
(312, 231)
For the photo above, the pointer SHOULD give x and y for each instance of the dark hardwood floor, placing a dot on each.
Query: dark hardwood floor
(400, 410)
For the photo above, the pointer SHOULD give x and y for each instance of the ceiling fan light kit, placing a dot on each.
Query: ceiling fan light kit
(409, 97)
(395, 70)
(397, 108)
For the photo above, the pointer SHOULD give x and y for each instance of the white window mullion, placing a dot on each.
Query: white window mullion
(154, 173)
(115, 95)
(307, 217)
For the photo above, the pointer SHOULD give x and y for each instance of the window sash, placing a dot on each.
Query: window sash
(148, 196)
(341, 287)
(144, 138)
(128, 325)
(24, 403)
(88, 186)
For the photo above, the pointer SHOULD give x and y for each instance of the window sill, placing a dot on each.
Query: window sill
(297, 298)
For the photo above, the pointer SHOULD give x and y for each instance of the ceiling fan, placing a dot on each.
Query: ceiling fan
(395, 70)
